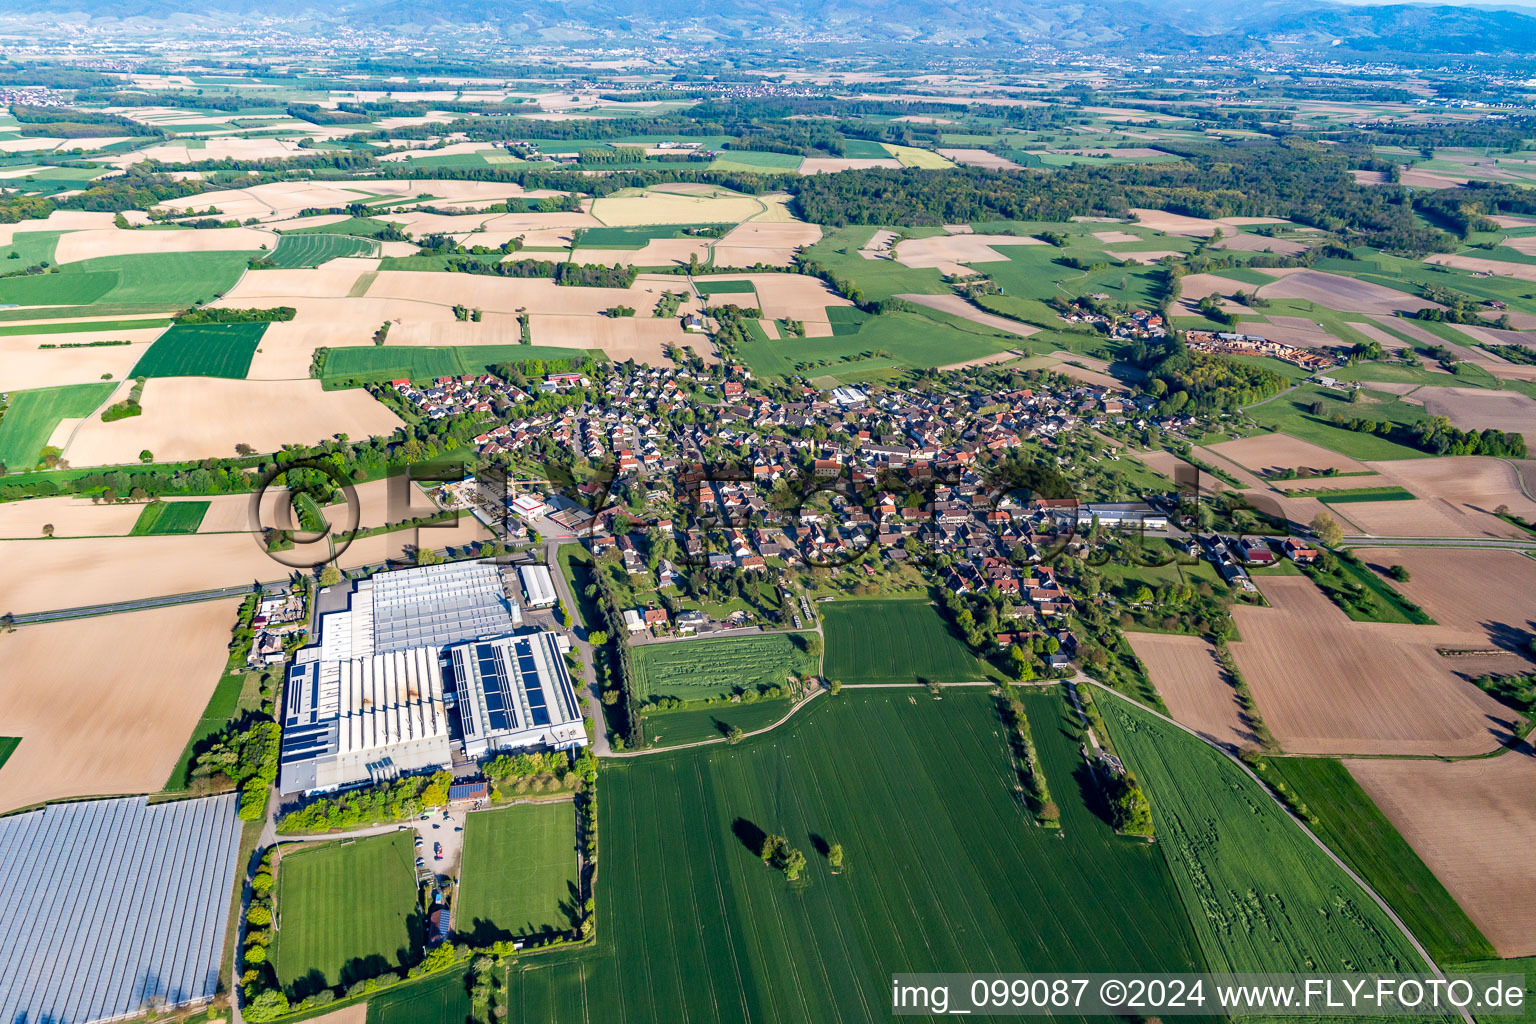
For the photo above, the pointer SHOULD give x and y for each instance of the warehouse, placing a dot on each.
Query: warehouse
(110, 906)
(538, 586)
(513, 691)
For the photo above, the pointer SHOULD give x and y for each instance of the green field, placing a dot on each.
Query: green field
(8, 745)
(312, 249)
(202, 350)
(1291, 414)
(150, 281)
(519, 876)
(169, 517)
(221, 707)
(696, 669)
(635, 237)
(348, 910)
(31, 417)
(709, 289)
(876, 347)
(692, 926)
(77, 327)
(751, 161)
(442, 999)
(1261, 895)
(27, 249)
(1350, 822)
(894, 642)
(1343, 497)
(365, 227)
(691, 725)
(392, 362)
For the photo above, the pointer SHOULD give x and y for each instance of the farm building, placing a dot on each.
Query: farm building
(538, 586)
(363, 719)
(110, 906)
(513, 691)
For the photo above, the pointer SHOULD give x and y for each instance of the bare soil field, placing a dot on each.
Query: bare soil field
(201, 417)
(641, 338)
(1094, 377)
(287, 348)
(1193, 682)
(1149, 257)
(1116, 236)
(941, 250)
(766, 242)
(672, 208)
(1481, 409)
(58, 220)
(1471, 822)
(334, 280)
(215, 148)
(658, 252)
(535, 295)
(69, 517)
(1244, 242)
(979, 158)
(831, 165)
(1326, 684)
(1195, 287)
(957, 306)
(1281, 451)
(1498, 268)
(1388, 342)
(1423, 518)
(357, 1013)
(1178, 224)
(1298, 332)
(879, 245)
(123, 694)
(283, 200)
(1467, 487)
(1481, 591)
(1342, 293)
(1514, 222)
(791, 296)
(90, 244)
(992, 360)
(24, 365)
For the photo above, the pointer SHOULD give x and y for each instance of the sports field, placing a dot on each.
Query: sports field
(202, 350)
(32, 416)
(1261, 895)
(295, 251)
(1351, 823)
(169, 517)
(894, 642)
(695, 669)
(519, 876)
(692, 926)
(346, 910)
(389, 362)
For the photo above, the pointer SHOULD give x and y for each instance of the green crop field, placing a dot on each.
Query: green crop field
(169, 517)
(886, 343)
(365, 227)
(145, 282)
(8, 745)
(519, 876)
(391, 362)
(61, 289)
(312, 249)
(636, 237)
(754, 162)
(441, 999)
(31, 417)
(1261, 895)
(78, 327)
(709, 289)
(347, 910)
(695, 669)
(690, 725)
(944, 871)
(894, 642)
(1292, 414)
(202, 350)
(27, 249)
(1351, 823)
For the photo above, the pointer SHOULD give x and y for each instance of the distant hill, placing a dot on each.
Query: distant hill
(1206, 26)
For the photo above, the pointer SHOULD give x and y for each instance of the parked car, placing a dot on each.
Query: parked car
(437, 851)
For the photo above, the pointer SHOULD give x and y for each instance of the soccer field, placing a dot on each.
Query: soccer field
(31, 417)
(894, 642)
(347, 910)
(519, 874)
(944, 871)
(202, 350)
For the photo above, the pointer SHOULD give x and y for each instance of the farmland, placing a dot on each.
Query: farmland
(444, 997)
(141, 282)
(346, 910)
(390, 362)
(519, 874)
(32, 416)
(8, 745)
(1261, 895)
(1344, 816)
(699, 669)
(170, 517)
(310, 250)
(894, 642)
(693, 926)
(202, 350)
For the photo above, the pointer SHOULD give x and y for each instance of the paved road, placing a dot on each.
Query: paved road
(600, 744)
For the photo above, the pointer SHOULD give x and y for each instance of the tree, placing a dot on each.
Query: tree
(1400, 573)
(597, 638)
(426, 556)
(835, 856)
(813, 645)
(47, 529)
(794, 863)
(146, 456)
(330, 575)
(772, 845)
(734, 735)
(836, 687)
(1328, 530)
(269, 1005)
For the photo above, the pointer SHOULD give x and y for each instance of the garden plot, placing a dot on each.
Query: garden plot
(121, 697)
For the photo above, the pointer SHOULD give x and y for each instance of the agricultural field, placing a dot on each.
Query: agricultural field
(346, 910)
(170, 517)
(113, 285)
(312, 249)
(444, 997)
(710, 668)
(31, 417)
(1343, 815)
(202, 350)
(519, 876)
(1193, 683)
(1261, 895)
(693, 926)
(390, 362)
(8, 745)
(894, 642)
(694, 725)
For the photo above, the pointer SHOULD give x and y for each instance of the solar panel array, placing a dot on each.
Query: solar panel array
(111, 906)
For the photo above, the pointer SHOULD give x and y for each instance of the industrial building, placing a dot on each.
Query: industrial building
(383, 693)
(538, 586)
(513, 691)
(108, 907)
